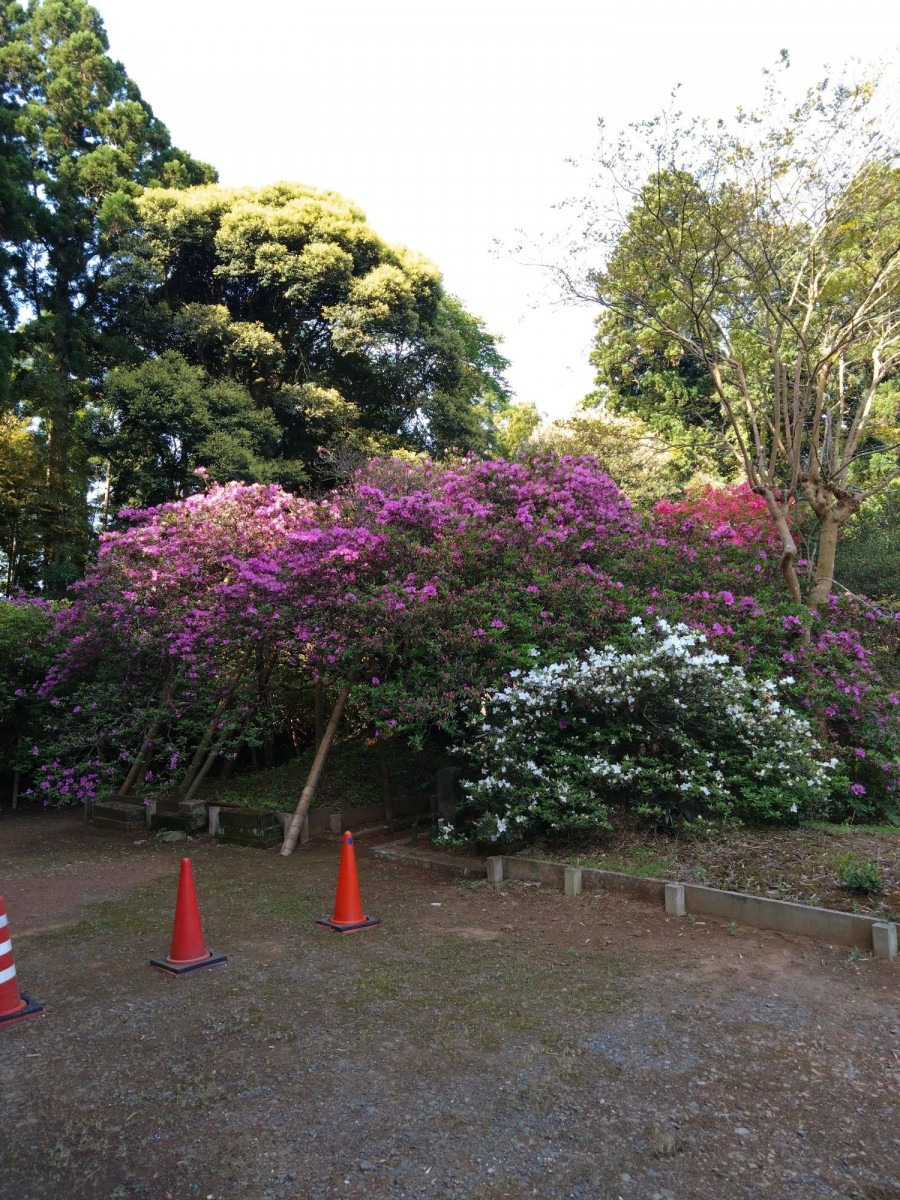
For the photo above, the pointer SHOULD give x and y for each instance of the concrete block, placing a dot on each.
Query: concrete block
(495, 870)
(213, 811)
(839, 928)
(884, 939)
(572, 881)
(534, 870)
(119, 814)
(150, 809)
(334, 822)
(675, 899)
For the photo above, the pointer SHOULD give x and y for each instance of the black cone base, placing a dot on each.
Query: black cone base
(31, 1009)
(366, 923)
(176, 969)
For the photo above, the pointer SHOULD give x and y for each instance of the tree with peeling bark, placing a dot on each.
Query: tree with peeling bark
(768, 252)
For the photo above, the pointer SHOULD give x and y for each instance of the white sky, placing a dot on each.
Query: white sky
(450, 123)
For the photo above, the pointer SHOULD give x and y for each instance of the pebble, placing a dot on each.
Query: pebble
(175, 835)
(742, 1131)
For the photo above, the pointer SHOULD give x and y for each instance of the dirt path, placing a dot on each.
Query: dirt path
(51, 863)
(480, 1045)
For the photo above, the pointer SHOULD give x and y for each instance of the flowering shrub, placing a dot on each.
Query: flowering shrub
(430, 585)
(733, 516)
(666, 726)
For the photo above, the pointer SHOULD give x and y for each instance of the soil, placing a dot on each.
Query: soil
(478, 1045)
(801, 864)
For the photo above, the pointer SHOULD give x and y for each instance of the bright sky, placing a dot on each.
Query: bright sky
(450, 121)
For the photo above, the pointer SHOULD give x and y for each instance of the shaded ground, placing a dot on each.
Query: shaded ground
(352, 778)
(479, 1045)
(788, 864)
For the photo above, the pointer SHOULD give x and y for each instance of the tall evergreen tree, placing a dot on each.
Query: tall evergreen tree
(91, 144)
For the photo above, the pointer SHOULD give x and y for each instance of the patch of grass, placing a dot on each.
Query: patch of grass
(842, 830)
(857, 875)
(637, 860)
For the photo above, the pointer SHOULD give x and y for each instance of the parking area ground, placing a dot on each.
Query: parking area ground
(478, 1045)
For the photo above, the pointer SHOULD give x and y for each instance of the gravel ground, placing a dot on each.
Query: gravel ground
(478, 1045)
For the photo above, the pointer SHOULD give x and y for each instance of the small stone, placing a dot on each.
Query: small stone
(367, 1166)
(742, 1131)
(175, 835)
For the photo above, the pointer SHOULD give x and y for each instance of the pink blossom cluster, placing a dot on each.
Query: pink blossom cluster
(426, 583)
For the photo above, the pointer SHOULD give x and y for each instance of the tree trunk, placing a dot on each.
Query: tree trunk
(208, 735)
(143, 758)
(309, 788)
(319, 698)
(829, 528)
(385, 781)
(15, 790)
(11, 564)
(106, 496)
(204, 770)
(232, 759)
(788, 545)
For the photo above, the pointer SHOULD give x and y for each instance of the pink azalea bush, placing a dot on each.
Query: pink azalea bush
(428, 585)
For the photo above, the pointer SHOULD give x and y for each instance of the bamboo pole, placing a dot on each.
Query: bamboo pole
(309, 788)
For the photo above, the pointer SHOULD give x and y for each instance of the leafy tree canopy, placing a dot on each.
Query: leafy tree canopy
(764, 254)
(284, 301)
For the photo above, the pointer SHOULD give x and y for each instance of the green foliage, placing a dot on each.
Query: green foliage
(868, 557)
(290, 306)
(644, 376)
(170, 418)
(28, 647)
(637, 459)
(858, 875)
(81, 144)
(22, 467)
(351, 778)
(516, 428)
(753, 318)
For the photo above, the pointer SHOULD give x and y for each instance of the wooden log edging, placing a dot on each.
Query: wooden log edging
(759, 912)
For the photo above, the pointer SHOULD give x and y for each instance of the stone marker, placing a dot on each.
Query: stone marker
(884, 939)
(572, 881)
(495, 870)
(675, 899)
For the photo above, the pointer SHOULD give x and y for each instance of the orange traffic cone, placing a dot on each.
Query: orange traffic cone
(14, 1006)
(188, 952)
(348, 914)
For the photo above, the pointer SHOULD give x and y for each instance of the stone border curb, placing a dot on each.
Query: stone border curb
(760, 912)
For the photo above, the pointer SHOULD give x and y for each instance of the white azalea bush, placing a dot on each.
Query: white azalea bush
(666, 727)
